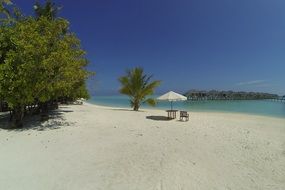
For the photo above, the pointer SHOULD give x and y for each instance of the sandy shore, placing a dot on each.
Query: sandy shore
(95, 148)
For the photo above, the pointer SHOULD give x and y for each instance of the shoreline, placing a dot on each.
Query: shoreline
(192, 111)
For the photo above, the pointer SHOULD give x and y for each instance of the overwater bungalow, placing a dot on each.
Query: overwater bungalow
(227, 95)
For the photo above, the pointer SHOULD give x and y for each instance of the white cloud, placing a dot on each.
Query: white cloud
(252, 83)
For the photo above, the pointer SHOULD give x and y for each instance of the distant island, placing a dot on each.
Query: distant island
(228, 95)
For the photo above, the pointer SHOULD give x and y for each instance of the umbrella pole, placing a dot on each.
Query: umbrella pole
(171, 105)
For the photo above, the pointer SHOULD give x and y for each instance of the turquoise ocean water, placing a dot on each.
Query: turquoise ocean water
(257, 107)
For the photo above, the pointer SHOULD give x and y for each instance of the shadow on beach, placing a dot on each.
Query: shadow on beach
(158, 118)
(55, 120)
(125, 109)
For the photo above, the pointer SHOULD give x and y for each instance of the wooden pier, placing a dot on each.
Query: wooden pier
(280, 99)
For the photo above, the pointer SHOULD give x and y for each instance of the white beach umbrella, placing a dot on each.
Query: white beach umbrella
(172, 97)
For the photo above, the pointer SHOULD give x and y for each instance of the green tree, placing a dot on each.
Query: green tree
(41, 63)
(64, 61)
(48, 10)
(3, 9)
(4, 15)
(138, 86)
(40, 60)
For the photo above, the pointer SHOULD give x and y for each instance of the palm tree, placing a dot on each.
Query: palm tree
(138, 86)
(48, 10)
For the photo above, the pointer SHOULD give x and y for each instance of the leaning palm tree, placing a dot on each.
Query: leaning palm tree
(138, 86)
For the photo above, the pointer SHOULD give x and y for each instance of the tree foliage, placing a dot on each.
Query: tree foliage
(3, 8)
(40, 61)
(138, 86)
(48, 10)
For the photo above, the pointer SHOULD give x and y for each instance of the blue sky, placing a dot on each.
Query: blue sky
(201, 44)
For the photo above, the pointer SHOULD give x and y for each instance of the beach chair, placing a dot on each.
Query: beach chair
(78, 102)
(184, 116)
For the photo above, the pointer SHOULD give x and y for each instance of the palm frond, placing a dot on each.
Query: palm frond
(149, 88)
(150, 101)
(138, 86)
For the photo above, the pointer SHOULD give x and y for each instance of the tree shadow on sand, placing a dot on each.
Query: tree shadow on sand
(158, 118)
(125, 109)
(55, 120)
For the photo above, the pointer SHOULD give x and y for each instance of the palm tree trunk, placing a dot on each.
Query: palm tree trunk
(136, 106)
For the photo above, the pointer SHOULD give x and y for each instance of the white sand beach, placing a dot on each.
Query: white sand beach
(89, 147)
